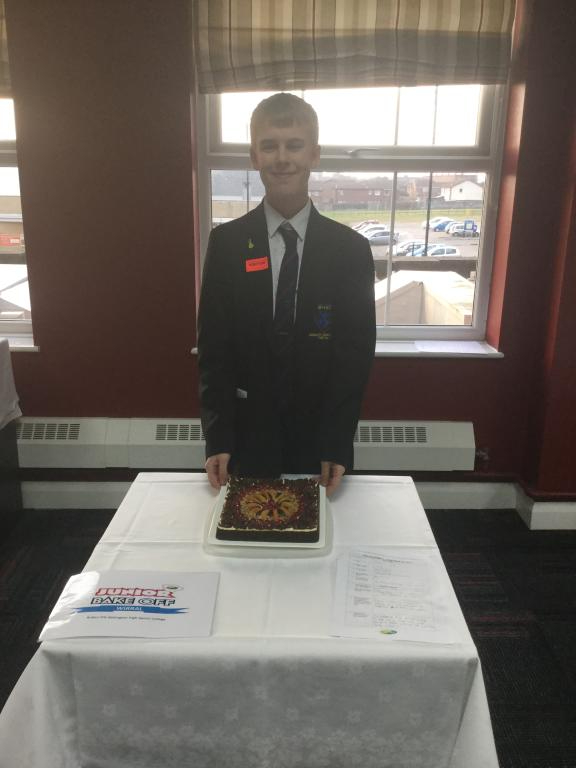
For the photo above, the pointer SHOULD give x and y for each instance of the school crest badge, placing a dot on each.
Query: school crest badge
(322, 321)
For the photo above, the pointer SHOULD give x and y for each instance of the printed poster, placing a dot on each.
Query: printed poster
(162, 604)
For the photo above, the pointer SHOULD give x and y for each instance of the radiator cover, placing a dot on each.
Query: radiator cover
(179, 444)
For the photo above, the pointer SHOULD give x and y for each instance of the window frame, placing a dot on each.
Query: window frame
(9, 328)
(483, 157)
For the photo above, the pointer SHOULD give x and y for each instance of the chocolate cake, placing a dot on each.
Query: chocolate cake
(270, 510)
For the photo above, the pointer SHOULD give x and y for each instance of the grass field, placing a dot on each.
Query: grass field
(355, 217)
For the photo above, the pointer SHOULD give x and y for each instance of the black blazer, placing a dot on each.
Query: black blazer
(335, 335)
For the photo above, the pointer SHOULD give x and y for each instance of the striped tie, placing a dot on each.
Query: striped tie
(286, 290)
(284, 315)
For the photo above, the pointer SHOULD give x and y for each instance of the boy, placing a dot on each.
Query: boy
(286, 325)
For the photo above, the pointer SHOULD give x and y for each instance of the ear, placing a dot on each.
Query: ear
(316, 159)
(253, 159)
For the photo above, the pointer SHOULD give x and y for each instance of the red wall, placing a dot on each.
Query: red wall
(103, 121)
(104, 141)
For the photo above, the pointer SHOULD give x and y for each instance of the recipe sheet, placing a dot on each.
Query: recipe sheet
(394, 593)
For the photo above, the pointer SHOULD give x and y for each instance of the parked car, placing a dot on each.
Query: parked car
(437, 250)
(372, 228)
(381, 237)
(438, 223)
(443, 225)
(407, 247)
(366, 223)
(463, 229)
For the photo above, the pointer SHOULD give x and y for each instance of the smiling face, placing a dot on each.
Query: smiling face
(284, 152)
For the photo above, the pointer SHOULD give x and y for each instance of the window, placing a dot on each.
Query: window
(15, 317)
(420, 165)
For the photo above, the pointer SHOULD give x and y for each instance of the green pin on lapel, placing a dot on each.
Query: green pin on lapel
(250, 243)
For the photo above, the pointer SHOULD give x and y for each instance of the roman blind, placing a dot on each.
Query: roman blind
(248, 45)
(4, 70)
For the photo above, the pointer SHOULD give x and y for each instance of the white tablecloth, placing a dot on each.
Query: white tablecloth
(8, 397)
(270, 687)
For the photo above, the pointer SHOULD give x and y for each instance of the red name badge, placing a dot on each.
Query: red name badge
(256, 265)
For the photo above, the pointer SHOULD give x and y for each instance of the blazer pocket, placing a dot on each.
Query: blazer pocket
(321, 325)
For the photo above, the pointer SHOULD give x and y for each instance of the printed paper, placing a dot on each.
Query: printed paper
(134, 604)
(390, 593)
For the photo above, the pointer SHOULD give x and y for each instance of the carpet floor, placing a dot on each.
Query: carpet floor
(517, 590)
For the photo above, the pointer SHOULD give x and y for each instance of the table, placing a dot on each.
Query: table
(10, 495)
(270, 687)
(9, 408)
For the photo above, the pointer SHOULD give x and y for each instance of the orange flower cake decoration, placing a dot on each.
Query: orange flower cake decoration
(277, 505)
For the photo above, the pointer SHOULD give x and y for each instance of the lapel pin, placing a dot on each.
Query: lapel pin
(250, 243)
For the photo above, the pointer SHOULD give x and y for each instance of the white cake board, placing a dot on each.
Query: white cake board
(234, 548)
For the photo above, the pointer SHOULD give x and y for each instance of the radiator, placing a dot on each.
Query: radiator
(179, 444)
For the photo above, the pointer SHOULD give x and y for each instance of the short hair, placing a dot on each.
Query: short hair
(284, 109)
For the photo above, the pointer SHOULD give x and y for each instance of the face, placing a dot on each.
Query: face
(284, 156)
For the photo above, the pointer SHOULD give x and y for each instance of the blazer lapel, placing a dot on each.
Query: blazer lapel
(257, 270)
(314, 265)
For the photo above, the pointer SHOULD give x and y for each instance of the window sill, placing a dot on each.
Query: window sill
(20, 342)
(459, 349)
(429, 348)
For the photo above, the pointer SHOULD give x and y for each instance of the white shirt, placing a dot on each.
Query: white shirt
(299, 222)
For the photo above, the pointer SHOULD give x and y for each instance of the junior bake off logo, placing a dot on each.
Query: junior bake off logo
(156, 600)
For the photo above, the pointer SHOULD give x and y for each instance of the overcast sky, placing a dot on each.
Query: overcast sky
(367, 116)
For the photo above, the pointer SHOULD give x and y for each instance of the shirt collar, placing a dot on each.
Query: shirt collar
(299, 221)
